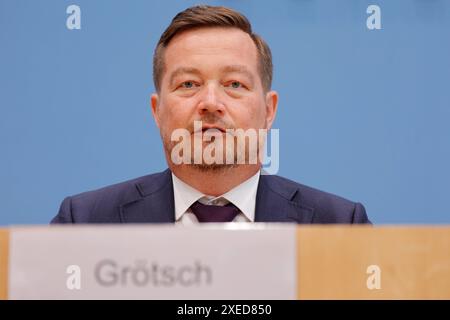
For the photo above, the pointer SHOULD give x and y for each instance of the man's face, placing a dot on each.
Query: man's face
(211, 75)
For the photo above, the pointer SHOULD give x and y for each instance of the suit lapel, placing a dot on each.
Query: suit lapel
(153, 203)
(278, 201)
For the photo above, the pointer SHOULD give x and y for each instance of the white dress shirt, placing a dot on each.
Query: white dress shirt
(242, 196)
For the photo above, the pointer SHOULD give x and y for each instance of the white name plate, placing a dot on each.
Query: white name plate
(231, 261)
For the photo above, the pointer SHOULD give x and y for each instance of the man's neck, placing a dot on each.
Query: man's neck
(214, 182)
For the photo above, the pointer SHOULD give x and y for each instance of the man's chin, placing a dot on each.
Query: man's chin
(213, 167)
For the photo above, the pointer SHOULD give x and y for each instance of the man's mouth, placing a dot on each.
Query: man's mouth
(211, 127)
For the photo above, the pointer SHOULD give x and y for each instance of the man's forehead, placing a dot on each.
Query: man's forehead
(216, 42)
(238, 68)
(211, 34)
(234, 68)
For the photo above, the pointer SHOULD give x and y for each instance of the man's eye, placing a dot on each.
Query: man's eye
(235, 84)
(188, 84)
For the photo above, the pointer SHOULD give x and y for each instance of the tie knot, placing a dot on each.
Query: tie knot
(212, 213)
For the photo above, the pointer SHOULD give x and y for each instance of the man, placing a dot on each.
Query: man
(212, 75)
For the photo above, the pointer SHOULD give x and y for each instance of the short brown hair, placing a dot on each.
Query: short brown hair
(212, 16)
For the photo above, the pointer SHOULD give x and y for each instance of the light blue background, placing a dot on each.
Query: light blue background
(363, 114)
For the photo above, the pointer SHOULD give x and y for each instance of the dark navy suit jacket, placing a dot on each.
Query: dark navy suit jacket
(149, 199)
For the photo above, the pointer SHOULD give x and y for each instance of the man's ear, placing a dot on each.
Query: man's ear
(271, 107)
(155, 107)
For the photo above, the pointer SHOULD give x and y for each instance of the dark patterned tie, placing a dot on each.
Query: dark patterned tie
(211, 213)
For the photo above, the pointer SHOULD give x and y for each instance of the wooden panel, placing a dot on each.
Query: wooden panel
(414, 262)
(4, 248)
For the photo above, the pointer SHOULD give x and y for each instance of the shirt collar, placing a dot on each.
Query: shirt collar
(184, 196)
(242, 196)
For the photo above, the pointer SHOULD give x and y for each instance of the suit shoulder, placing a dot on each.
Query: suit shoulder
(328, 207)
(281, 185)
(116, 189)
(102, 205)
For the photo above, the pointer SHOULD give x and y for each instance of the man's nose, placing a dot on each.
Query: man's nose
(210, 100)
